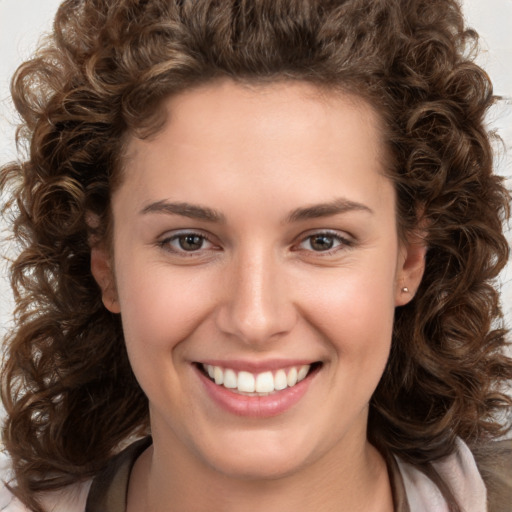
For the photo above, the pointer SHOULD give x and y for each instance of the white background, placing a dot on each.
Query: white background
(23, 21)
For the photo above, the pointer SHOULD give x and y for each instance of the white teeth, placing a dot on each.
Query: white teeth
(218, 375)
(265, 382)
(246, 382)
(230, 379)
(262, 383)
(280, 380)
(303, 371)
(291, 379)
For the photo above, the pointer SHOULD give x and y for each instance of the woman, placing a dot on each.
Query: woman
(262, 237)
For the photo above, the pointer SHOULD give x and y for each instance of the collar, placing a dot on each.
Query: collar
(412, 488)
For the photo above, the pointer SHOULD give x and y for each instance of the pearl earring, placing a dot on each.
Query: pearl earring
(405, 289)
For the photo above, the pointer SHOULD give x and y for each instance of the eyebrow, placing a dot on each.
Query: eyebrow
(192, 211)
(336, 207)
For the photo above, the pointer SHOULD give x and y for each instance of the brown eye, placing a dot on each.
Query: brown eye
(321, 242)
(187, 242)
(325, 243)
(190, 242)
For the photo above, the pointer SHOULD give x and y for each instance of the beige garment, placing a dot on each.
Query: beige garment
(459, 472)
(412, 490)
(69, 499)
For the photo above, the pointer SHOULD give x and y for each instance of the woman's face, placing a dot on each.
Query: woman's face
(255, 240)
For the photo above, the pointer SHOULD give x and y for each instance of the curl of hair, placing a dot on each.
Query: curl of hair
(67, 385)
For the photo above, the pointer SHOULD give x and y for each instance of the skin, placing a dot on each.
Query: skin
(256, 290)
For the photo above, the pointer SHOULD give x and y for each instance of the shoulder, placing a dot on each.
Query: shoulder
(494, 460)
(429, 486)
(8, 502)
(479, 479)
(69, 499)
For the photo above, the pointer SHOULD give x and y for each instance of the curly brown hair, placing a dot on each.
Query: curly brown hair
(67, 386)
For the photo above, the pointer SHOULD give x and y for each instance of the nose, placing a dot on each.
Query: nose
(257, 305)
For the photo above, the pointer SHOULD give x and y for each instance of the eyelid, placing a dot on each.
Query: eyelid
(346, 241)
(170, 236)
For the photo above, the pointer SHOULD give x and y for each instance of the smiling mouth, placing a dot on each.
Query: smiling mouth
(258, 384)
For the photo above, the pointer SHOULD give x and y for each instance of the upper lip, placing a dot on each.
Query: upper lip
(257, 366)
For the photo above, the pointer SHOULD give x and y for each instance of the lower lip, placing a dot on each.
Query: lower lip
(255, 406)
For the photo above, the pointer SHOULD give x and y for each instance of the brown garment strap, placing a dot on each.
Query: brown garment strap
(109, 488)
(397, 485)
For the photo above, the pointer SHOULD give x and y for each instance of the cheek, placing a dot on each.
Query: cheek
(159, 308)
(359, 327)
(358, 300)
(159, 314)
(354, 312)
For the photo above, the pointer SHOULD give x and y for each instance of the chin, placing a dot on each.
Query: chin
(260, 468)
(258, 461)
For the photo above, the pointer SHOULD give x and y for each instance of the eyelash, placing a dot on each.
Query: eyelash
(343, 243)
(166, 243)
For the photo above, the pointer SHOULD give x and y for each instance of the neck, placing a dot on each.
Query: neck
(166, 480)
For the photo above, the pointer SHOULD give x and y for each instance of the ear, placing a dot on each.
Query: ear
(101, 268)
(411, 266)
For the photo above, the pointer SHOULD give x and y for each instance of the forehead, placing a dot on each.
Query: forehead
(290, 137)
(257, 111)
